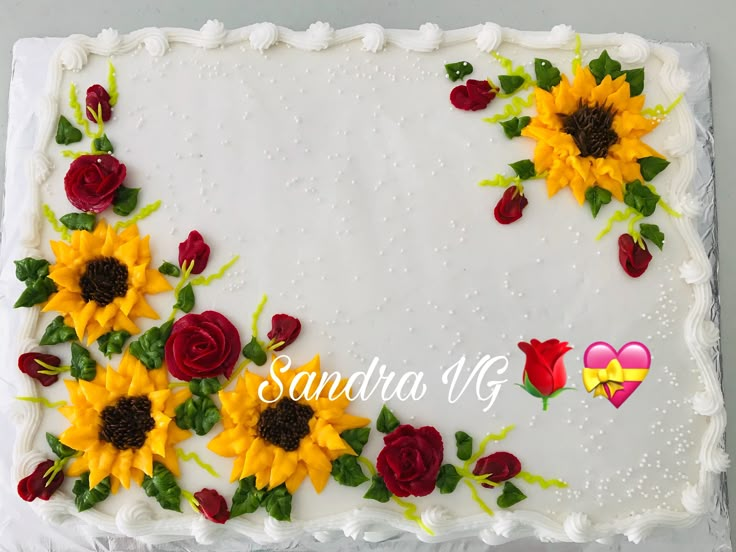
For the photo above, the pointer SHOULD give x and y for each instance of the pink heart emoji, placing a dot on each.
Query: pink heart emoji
(632, 356)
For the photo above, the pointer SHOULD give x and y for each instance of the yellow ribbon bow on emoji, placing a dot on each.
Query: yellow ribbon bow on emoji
(612, 375)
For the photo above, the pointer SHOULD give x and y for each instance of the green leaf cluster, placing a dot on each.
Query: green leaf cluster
(125, 200)
(547, 74)
(604, 66)
(83, 365)
(198, 413)
(513, 127)
(79, 221)
(248, 498)
(67, 133)
(254, 352)
(84, 497)
(163, 487)
(458, 70)
(112, 343)
(149, 347)
(34, 273)
(386, 421)
(57, 332)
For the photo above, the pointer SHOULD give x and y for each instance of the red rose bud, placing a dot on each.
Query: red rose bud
(501, 466)
(34, 486)
(98, 98)
(92, 180)
(510, 206)
(544, 372)
(634, 259)
(410, 460)
(212, 505)
(284, 328)
(473, 95)
(194, 249)
(203, 345)
(28, 365)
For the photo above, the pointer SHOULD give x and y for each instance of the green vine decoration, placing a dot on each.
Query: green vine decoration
(512, 109)
(50, 216)
(145, 212)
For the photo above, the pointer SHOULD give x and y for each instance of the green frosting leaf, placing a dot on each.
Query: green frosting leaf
(653, 234)
(83, 365)
(102, 144)
(458, 70)
(603, 66)
(79, 221)
(464, 444)
(247, 498)
(651, 167)
(59, 448)
(511, 495)
(197, 413)
(277, 503)
(36, 292)
(524, 169)
(57, 332)
(30, 269)
(448, 478)
(112, 342)
(356, 438)
(597, 197)
(512, 127)
(169, 269)
(510, 83)
(84, 497)
(163, 487)
(125, 200)
(204, 387)
(255, 352)
(149, 347)
(185, 299)
(347, 471)
(547, 74)
(641, 198)
(386, 421)
(67, 133)
(635, 78)
(378, 490)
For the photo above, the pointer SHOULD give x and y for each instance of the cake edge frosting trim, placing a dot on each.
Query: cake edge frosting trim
(371, 523)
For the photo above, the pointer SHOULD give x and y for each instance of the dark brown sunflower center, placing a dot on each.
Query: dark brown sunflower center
(127, 423)
(285, 424)
(591, 128)
(103, 280)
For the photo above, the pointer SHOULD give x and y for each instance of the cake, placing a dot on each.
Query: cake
(363, 282)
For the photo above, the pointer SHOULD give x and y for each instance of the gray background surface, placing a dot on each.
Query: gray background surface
(708, 21)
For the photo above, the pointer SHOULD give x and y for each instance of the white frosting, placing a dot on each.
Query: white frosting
(373, 523)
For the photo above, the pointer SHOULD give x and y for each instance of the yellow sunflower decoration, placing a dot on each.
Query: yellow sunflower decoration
(589, 134)
(102, 279)
(122, 422)
(284, 441)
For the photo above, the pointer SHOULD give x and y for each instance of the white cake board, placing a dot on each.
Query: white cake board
(21, 529)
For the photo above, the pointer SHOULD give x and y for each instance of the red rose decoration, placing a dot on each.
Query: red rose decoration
(212, 505)
(34, 486)
(284, 328)
(28, 365)
(501, 466)
(410, 460)
(92, 180)
(510, 206)
(634, 258)
(544, 372)
(194, 249)
(473, 95)
(97, 97)
(203, 345)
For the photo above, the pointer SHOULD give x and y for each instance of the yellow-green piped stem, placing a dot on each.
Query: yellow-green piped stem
(539, 480)
(659, 112)
(500, 436)
(186, 271)
(257, 315)
(202, 281)
(145, 212)
(577, 59)
(368, 465)
(186, 457)
(501, 181)
(189, 497)
(618, 216)
(74, 154)
(112, 83)
(512, 109)
(519, 70)
(78, 115)
(477, 498)
(410, 513)
(50, 216)
(44, 401)
(662, 203)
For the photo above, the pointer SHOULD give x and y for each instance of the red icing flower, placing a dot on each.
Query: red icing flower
(203, 345)
(34, 485)
(544, 372)
(634, 259)
(212, 505)
(284, 328)
(501, 466)
(92, 180)
(28, 365)
(194, 249)
(98, 96)
(410, 460)
(473, 95)
(510, 206)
